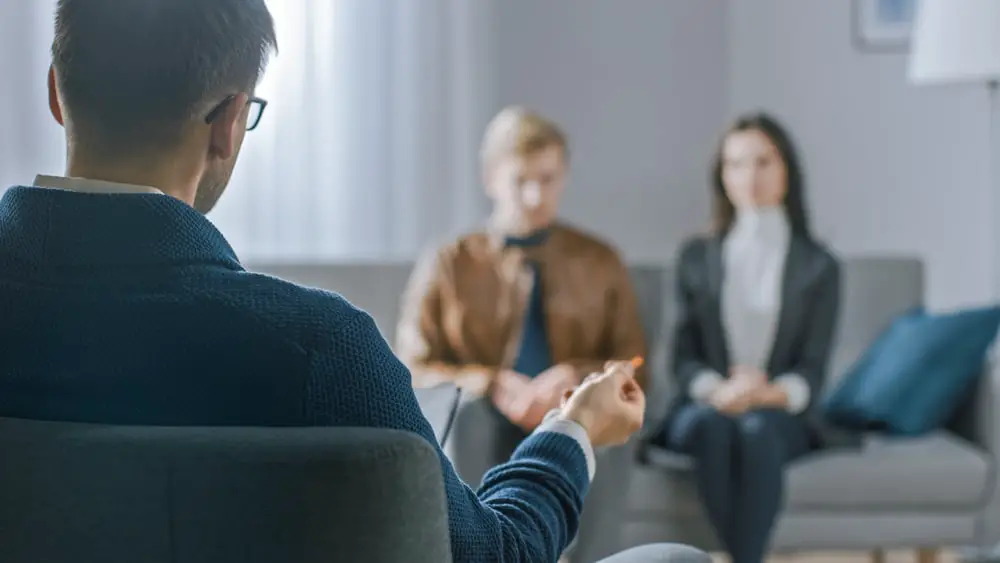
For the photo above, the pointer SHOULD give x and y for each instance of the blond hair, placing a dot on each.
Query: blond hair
(519, 131)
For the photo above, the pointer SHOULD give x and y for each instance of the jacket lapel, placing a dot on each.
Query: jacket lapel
(794, 282)
(713, 278)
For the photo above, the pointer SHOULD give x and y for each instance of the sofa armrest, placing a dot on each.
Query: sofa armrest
(986, 435)
(987, 407)
(976, 419)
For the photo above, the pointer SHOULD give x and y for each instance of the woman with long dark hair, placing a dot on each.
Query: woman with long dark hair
(757, 306)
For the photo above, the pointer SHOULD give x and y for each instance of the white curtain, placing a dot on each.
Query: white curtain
(30, 140)
(367, 149)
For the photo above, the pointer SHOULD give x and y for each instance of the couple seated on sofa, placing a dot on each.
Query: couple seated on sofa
(518, 313)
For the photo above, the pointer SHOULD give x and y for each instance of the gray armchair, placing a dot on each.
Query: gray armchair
(108, 494)
(928, 492)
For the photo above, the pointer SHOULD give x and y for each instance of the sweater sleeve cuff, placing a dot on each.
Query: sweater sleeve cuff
(704, 384)
(796, 389)
(553, 423)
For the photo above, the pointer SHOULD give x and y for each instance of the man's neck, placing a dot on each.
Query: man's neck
(515, 229)
(168, 181)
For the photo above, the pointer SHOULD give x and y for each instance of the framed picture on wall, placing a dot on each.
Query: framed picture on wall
(883, 25)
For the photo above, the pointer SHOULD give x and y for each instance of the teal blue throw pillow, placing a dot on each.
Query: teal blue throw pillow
(912, 378)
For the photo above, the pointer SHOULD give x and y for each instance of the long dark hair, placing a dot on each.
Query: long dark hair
(795, 207)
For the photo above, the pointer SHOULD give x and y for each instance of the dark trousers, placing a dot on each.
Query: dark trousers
(482, 438)
(740, 470)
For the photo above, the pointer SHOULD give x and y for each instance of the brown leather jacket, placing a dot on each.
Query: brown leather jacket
(464, 307)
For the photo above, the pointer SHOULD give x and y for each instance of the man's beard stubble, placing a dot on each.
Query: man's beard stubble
(210, 189)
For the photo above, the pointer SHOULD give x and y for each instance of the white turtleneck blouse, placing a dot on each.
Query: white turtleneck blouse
(753, 255)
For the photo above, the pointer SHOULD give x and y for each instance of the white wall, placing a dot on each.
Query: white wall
(30, 140)
(644, 88)
(893, 168)
(640, 87)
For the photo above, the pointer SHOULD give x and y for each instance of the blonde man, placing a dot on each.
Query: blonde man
(521, 311)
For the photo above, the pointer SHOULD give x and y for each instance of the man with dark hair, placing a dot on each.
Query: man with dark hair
(136, 81)
(123, 304)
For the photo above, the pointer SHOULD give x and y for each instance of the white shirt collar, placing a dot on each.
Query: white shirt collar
(767, 226)
(91, 186)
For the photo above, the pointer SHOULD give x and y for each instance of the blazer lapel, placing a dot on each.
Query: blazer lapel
(713, 266)
(795, 280)
(713, 279)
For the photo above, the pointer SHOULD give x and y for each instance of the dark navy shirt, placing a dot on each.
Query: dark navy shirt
(534, 355)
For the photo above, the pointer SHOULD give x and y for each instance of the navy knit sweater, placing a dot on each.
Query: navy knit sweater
(133, 309)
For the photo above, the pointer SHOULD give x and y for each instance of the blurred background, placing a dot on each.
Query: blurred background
(369, 149)
(369, 153)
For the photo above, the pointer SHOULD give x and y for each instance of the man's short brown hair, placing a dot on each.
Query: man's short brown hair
(521, 132)
(132, 73)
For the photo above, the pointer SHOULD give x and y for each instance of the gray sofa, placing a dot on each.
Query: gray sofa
(935, 491)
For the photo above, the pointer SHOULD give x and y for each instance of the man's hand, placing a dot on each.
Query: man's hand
(552, 384)
(508, 387)
(516, 398)
(610, 406)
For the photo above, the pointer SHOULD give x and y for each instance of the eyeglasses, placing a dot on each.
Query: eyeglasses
(254, 114)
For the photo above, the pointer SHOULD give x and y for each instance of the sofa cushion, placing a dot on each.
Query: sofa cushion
(936, 471)
(913, 377)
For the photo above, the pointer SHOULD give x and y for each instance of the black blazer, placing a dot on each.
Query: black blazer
(807, 323)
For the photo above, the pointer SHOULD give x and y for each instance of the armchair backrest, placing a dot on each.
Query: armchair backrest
(94, 493)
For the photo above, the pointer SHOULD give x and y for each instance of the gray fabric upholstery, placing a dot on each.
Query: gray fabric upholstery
(374, 287)
(933, 491)
(89, 493)
(605, 507)
(660, 553)
(875, 291)
(885, 473)
(440, 406)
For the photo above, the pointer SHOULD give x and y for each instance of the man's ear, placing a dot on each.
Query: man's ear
(227, 126)
(54, 105)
